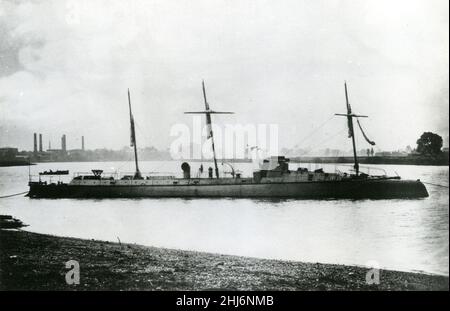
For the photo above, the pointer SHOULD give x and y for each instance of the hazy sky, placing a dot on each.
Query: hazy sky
(65, 67)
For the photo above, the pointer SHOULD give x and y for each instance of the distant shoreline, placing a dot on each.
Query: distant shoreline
(15, 163)
(442, 160)
(31, 261)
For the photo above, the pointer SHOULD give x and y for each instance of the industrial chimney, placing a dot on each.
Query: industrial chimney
(82, 143)
(35, 143)
(63, 143)
(40, 142)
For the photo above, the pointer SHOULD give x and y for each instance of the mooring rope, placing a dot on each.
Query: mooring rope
(438, 185)
(12, 195)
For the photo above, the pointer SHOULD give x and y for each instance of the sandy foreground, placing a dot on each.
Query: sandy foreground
(31, 261)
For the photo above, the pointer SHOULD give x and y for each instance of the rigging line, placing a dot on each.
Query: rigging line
(13, 195)
(438, 185)
(146, 139)
(326, 140)
(314, 130)
(143, 133)
(123, 163)
(145, 136)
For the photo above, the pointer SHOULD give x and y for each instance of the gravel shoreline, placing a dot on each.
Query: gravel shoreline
(31, 261)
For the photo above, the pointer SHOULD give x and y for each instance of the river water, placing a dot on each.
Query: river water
(406, 235)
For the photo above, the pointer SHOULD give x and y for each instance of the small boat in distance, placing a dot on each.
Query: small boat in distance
(274, 179)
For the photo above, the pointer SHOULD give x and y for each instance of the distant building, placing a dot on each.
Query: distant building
(383, 154)
(392, 154)
(8, 153)
(399, 154)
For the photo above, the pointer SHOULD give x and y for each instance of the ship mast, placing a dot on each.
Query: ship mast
(351, 132)
(208, 113)
(137, 174)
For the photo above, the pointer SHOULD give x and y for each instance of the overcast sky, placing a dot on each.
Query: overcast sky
(65, 67)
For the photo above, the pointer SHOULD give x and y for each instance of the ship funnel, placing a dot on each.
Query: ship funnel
(186, 170)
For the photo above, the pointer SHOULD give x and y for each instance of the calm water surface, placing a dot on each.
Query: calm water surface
(409, 235)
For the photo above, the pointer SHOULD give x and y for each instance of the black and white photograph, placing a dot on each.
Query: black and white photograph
(243, 147)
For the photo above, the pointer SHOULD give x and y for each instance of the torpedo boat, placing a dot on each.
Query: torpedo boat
(273, 179)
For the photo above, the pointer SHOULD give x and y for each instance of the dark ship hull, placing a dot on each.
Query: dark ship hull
(344, 189)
